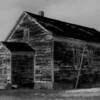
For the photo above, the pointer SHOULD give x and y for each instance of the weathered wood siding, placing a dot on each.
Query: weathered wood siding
(41, 40)
(67, 58)
(5, 66)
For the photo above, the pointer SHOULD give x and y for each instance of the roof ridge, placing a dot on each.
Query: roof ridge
(77, 25)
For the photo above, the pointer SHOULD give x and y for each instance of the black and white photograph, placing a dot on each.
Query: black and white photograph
(49, 50)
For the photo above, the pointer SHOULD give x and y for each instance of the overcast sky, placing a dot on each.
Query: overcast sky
(83, 12)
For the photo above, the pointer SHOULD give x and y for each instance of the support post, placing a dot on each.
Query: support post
(80, 68)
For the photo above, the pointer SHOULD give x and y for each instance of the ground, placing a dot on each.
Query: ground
(30, 94)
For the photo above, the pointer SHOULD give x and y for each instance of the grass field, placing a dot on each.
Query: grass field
(30, 94)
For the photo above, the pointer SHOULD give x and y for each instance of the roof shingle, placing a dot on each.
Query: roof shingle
(64, 29)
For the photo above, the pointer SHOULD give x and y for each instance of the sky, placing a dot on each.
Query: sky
(82, 12)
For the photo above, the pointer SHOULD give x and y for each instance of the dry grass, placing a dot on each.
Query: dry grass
(30, 94)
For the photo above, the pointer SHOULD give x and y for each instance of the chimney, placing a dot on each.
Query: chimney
(41, 13)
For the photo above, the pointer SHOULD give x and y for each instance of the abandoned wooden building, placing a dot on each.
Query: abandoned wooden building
(16, 64)
(63, 51)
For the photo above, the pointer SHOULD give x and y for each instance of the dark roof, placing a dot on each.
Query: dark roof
(64, 29)
(18, 47)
